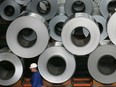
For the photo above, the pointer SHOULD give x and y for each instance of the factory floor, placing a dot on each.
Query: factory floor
(75, 82)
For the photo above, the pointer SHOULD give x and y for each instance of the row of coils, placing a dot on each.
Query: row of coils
(78, 28)
(9, 10)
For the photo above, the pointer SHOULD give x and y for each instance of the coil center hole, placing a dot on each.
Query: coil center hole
(56, 65)
(100, 27)
(58, 28)
(27, 37)
(112, 6)
(78, 6)
(1, 1)
(78, 38)
(43, 7)
(7, 70)
(107, 64)
(9, 10)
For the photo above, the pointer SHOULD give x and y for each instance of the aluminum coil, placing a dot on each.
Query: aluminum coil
(11, 69)
(56, 25)
(46, 8)
(36, 25)
(9, 10)
(111, 28)
(102, 64)
(74, 6)
(107, 7)
(30, 13)
(23, 2)
(56, 64)
(81, 20)
(102, 27)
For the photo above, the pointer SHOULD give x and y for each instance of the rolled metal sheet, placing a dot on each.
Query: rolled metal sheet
(102, 27)
(102, 64)
(111, 28)
(56, 64)
(75, 6)
(11, 69)
(56, 25)
(46, 8)
(29, 13)
(34, 24)
(9, 10)
(85, 21)
(23, 2)
(107, 7)
(102, 24)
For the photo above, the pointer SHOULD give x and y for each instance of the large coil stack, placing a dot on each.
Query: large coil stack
(56, 34)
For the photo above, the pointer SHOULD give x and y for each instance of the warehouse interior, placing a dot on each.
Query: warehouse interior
(71, 41)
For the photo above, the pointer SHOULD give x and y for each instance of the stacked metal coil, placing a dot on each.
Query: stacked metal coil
(78, 27)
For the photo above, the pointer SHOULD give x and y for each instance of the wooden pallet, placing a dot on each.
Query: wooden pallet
(82, 82)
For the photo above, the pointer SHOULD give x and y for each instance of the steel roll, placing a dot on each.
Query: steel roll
(23, 2)
(32, 14)
(22, 47)
(56, 64)
(56, 25)
(102, 64)
(102, 27)
(74, 41)
(111, 28)
(46, 8)
(107, 7)
(9, 10)
(75, 6)
(11, 69)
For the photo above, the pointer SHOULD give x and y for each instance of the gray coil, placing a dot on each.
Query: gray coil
(102, 64)
(11, 69)
(76, 6)
(31, 24)
(72, 42)
(9, 10)
(46, 8)
(54, 64)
